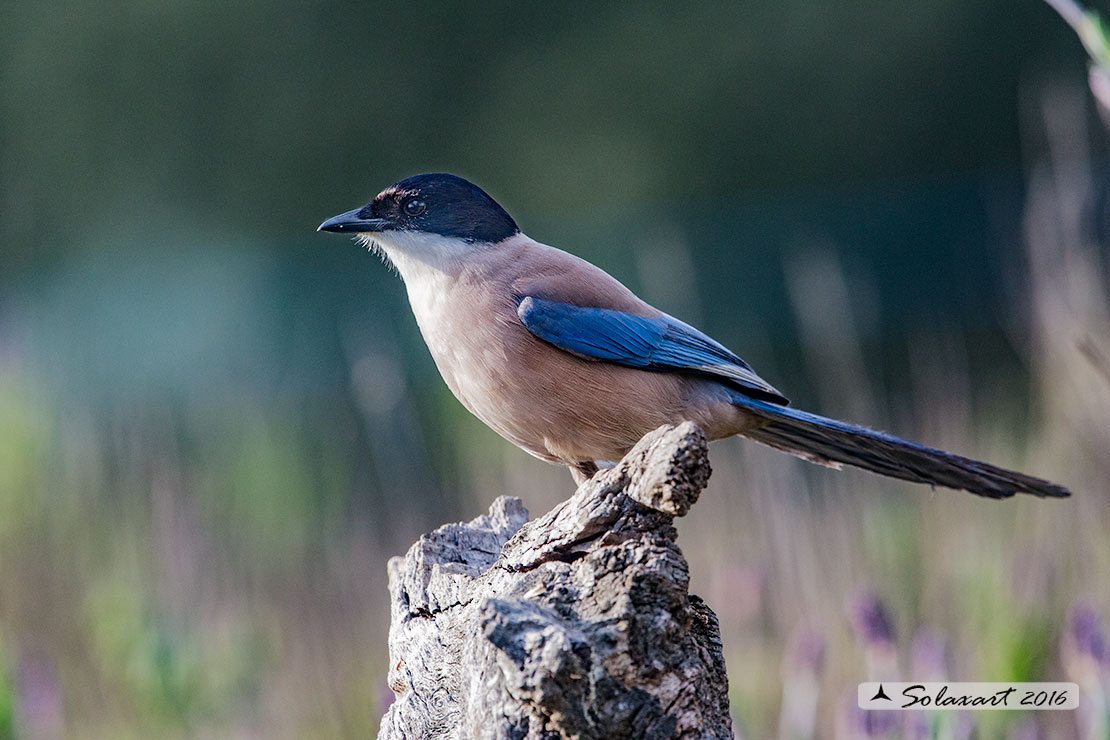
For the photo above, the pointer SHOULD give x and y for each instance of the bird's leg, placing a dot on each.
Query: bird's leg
(583, 471)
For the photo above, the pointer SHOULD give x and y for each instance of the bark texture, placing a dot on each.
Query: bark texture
(578, 624)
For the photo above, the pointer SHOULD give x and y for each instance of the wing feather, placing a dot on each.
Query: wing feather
(661, 343)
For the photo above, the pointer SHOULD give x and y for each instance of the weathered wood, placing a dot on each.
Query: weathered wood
(578, 624)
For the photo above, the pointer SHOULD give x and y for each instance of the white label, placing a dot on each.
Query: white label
(934, 695)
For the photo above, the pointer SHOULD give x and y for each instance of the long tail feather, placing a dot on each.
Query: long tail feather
(831, 442)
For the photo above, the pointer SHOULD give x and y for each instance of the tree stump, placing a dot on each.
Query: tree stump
(578, 624)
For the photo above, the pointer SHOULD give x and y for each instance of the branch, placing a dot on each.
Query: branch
(576, 625)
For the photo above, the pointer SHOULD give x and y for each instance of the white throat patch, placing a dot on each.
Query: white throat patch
(414, 253)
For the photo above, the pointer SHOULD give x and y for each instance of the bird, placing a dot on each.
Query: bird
(568, 364)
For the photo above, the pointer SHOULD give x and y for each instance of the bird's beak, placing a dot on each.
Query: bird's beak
(351, 223)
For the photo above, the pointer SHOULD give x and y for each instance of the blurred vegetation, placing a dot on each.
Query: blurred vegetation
(140, 120)
(216, 425)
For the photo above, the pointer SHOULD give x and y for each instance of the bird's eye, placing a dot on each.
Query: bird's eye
(414, 207)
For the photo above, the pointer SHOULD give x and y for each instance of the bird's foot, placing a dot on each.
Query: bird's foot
(583, 471)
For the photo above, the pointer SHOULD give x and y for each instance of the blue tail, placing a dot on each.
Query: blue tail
(831, 442)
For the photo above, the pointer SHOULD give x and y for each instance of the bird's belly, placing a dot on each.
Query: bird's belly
(488, 382)
(553, 404)
(562, 408)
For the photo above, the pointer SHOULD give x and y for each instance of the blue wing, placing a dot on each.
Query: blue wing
(661, 344)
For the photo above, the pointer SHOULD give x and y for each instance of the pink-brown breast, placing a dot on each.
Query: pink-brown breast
(556, 405)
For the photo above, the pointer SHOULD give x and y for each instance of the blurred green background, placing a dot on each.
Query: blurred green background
(216, 424)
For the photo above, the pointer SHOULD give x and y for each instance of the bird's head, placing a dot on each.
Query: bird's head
(427, 217)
